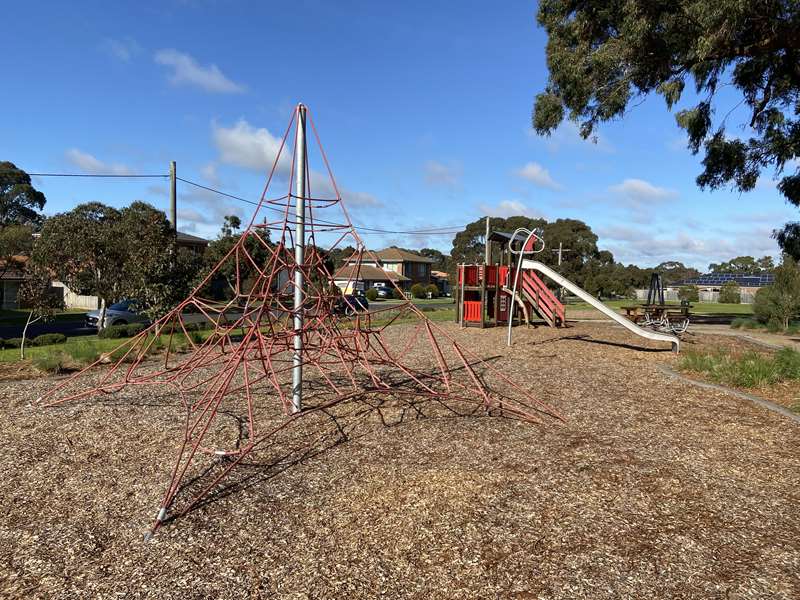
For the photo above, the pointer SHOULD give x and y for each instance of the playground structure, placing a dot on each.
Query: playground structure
(281, 354)
(497, 294)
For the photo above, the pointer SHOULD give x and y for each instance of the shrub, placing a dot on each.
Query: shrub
(83, 352)
(738, 323)
(114, 332)
(432, 290)
(135, 329)
(13, 343)
(793, 329)
(788, 361)
(47, 339)
(774, 326)
(371, 294)
(50, 362)
(781, 300)
(690, 293)
(730, 293)
(418, 291)
(2, 343)
(398, 294)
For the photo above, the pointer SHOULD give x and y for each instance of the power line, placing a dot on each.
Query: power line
(450, 230)
(433, 231)
(99, 175)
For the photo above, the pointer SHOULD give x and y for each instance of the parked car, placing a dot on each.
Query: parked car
(119, 313)
(384, 291)
(350, 305)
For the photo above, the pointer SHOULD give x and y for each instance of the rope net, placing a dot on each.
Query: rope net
(241, 364)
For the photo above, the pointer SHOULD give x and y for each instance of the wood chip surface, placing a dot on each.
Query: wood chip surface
(653, 488)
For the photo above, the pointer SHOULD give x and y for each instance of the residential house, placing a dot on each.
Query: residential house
(11, 278)
(352, 277)
(405, 267)
(442, 281)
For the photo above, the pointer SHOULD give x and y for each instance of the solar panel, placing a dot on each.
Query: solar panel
(747, 280)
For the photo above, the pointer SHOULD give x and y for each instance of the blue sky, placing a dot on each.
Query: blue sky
(423, 109)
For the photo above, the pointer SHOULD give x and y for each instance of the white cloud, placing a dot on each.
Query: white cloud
(568, 136)
(123, 49)
(209, 173)
(638, 192)
(186, 70)
(242, 145)
(645, 248)
(437, 173)
(245, 146)
(538, 175)
(93, 166)
(509, 208)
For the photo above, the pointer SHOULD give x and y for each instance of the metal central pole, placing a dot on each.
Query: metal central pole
(299, 256)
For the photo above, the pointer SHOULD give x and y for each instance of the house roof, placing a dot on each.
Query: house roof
(396, 255)
(187, 238)
(752, 280)
(14, 271)
(366, 272)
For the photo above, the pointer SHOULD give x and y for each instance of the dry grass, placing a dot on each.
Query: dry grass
(652, 489)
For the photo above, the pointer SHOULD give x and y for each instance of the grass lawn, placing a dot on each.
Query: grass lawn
(698, 308)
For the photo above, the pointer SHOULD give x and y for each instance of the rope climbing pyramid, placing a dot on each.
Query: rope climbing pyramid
(283, 345)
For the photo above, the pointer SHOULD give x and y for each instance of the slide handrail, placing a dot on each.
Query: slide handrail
(609, 312)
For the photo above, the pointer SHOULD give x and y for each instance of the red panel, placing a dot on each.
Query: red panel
(472, 311)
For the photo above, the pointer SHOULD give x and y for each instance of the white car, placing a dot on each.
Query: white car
(119, 313)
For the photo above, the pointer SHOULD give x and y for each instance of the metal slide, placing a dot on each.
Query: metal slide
(589, 299)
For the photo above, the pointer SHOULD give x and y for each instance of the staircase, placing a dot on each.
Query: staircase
(539, 296)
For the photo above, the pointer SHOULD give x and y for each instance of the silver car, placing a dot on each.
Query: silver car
(119, 313)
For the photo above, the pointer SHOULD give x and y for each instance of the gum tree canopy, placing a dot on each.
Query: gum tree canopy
(604, 54)
(20, 202)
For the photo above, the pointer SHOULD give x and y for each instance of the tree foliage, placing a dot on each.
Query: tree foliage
(690, 293)
(673, 271)
(779, 302)
(730, 293)
(114, 254)
(20, 202)
(602, 55)
(743, 265)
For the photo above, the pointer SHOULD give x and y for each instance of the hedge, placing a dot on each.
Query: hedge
(47, 339)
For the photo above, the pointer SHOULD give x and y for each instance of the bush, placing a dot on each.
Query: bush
(690, 293)
(398, 294)
(47, 339)
(432, 290)
(781, 300)
(135, 329)
(738, 323)
(788, 361)
(371, 294)
(418, 291)
(774, 326)
(730, 293)
(50, 362)
(83, 352)
(13, 343)
(114, 332)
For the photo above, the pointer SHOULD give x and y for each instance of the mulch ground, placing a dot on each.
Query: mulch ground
(651, 489)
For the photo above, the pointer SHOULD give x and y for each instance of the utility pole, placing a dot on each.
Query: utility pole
(560, 251)
(299, 256)
(488, 253)
(173, 196)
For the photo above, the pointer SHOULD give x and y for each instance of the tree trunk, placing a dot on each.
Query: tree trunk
(101, 321)
(24, 333)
